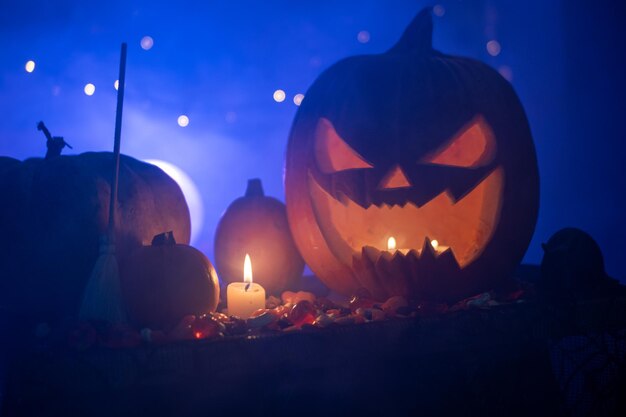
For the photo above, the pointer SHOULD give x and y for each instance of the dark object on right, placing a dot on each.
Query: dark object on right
(573, 268)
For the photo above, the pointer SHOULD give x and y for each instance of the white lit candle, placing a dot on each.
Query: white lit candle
(392, 246)
(439, 249)
(244, 298)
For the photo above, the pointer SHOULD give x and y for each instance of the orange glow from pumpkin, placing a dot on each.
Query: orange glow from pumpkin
(391, 244)
(396, 178)
(434, 244)
(247, 270)
(472, 147)
(332, 153)
(466, 224)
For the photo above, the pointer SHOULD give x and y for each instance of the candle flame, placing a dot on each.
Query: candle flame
(247, 270)
(434, 244)
(391, 244)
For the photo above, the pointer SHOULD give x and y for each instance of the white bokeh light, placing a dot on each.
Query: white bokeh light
(183, 120)
(147, 43)
(30, 66)
(89, 89)
(191, 193)
(116, 84)
(297, 99)
(279, 96)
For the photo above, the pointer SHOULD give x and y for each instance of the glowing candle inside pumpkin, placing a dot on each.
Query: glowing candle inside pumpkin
(244, 298)
(392, 246)
(439, 249)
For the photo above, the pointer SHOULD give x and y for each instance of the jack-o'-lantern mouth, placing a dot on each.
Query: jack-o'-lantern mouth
(461, 227)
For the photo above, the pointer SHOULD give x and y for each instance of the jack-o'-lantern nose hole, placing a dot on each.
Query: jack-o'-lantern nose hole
(395, 178)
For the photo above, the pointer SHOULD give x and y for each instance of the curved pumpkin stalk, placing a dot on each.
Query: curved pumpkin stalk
(55, 144)
(102, 299)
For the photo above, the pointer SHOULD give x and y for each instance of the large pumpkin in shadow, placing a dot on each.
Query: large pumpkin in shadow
(53, 213)
(419, 146)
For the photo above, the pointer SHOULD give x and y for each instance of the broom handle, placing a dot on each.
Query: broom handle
(116, 146)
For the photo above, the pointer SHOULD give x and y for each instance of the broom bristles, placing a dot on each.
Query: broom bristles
(102, 299)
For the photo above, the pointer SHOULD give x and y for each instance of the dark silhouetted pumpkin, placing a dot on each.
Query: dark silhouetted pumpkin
(166, 281)
(257, 225)
(572, 268)
(419, 146)
(53, 213)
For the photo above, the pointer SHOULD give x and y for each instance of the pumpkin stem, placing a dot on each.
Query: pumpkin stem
(255, 188)
(164, 239)
(418, 36)
(55, 144)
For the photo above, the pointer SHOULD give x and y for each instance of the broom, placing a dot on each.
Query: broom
(102, 299)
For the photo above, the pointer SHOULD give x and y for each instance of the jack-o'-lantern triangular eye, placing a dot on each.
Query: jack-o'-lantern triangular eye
(332, 153)
(474, 146)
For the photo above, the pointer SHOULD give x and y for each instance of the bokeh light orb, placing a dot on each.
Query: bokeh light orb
(30, 66)
(439, 10)
(190, 191)
(506, 72)
(183, 120)
(116, 84)
(279, 96)
(363, 36)
(146, 43)
(89, 89)
(494, 48)
(297, 99)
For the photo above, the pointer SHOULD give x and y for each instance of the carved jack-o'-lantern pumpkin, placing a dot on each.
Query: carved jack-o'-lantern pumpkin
(419, 146)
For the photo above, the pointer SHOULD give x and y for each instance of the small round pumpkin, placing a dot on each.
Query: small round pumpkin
(54, 211)
(166, 281)
(419, 146)
(257, 225)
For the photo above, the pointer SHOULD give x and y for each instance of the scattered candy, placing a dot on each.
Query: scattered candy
(290, 297)
(261, 320)
(394, 303)
(294, 311)
(346, 320)
(205, 327)
(323, 320)
(183, 330)
(303, 312)
(272, 302)
(357, 302)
